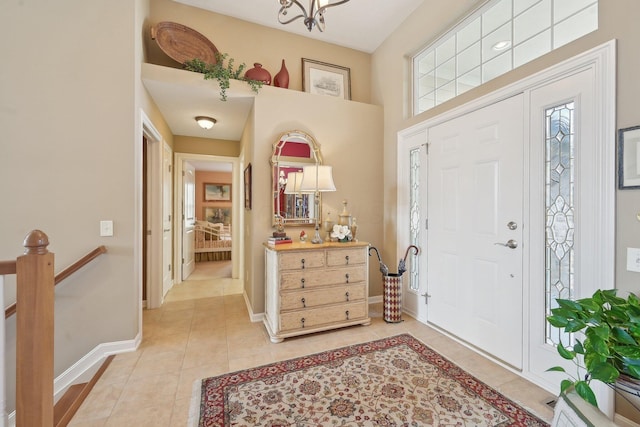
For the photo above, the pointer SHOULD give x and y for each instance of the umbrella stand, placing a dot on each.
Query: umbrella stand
(392, 287)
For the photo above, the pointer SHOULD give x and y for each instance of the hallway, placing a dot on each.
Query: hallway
(203, 329)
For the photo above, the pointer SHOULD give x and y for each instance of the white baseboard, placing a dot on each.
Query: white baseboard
(252, 316)
(623, 421)
(84, 369)
(376, 299)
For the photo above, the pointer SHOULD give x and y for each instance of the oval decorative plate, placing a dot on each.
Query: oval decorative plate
(182, 43)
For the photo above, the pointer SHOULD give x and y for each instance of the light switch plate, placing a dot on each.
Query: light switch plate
(633, 259)
(106, 228)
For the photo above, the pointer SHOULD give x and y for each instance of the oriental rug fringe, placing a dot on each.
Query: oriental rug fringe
(395, 381)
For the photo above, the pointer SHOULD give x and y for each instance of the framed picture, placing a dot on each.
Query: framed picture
(326, 79)
(217, 192)
(629, 158)
(217, 214)
(247, 187)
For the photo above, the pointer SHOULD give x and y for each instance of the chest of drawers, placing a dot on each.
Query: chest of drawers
(315, 287)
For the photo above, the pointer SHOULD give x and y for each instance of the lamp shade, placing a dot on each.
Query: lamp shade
(317, 178)
(294, 179)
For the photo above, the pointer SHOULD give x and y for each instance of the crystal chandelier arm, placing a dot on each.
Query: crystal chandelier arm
(286, 4)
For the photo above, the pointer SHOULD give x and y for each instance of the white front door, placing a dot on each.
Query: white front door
(475, 188)
(167, 275)
(188, 219)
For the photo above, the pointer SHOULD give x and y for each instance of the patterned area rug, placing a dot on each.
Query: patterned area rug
(396, 381)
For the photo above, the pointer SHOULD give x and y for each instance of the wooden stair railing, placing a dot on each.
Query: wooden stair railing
(35, 283)
(10, 310)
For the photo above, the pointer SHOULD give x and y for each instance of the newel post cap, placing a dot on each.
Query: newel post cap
(36, 242)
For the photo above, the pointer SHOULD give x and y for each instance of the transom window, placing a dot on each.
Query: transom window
(499, 37)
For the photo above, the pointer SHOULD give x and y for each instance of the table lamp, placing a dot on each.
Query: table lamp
(318, 179)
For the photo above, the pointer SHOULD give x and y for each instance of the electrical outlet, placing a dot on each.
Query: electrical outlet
(106, 228)
(633, 259)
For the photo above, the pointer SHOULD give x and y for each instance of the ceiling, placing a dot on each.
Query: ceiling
(358, 24)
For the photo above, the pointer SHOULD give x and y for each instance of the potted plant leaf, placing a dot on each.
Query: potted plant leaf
(222, 71)
(610, 349)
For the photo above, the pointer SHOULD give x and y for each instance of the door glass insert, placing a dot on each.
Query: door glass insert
(414, 223)
(559, 212)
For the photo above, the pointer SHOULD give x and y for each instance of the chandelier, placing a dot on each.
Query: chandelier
(315, 16)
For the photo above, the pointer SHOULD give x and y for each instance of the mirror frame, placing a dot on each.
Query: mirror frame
(278, 161)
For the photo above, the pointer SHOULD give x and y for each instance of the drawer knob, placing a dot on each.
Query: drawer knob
(346, 258)
(347, 313)
(302, 321)
(304, 303)
(347, 277)
(302, 261)
(347, 295)
(302, 283)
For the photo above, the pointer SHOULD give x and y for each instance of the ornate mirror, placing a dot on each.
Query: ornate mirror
(291, 152)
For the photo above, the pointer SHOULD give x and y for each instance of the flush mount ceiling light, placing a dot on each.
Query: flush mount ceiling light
(206, 122)
(315, 16)
(501, 45)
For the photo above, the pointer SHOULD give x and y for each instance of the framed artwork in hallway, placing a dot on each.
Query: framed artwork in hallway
(629, 158)
(217, 192)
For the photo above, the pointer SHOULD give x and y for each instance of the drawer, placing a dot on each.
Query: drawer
(314, 278)
(312, 317)
(301, 260)
(313, 298)
(340, 257)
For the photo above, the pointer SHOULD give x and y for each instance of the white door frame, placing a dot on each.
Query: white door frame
(154, 205)
(236, 211)
(167, 223)
(413, 301)
(602, 60)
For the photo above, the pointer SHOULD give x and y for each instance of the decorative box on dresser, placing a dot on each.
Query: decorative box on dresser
(315, 287)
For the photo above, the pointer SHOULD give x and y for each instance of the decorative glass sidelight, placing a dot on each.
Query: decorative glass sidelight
(414, 223)
(559, 212)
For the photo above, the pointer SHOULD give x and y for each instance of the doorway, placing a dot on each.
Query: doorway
(453, 220)
(182, 162)
(474, 185)
(155, 196)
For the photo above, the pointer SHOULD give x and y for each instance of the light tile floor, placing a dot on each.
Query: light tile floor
(203, 330)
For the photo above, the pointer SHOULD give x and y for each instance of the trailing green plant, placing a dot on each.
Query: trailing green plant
(611, 328)
(222, 72)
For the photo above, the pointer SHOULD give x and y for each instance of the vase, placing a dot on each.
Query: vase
(282, 78)
(345, 217)
(258, 73)
(354, 229)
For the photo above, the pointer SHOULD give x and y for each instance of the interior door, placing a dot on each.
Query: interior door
(167, 275)
(188, 219)
(475, 212)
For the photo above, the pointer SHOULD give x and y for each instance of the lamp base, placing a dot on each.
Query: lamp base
(316, 237)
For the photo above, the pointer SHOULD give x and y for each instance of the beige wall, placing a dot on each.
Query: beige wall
(250, 43)
(350, 139)
(422, 27)
(68, 117)
(214, 147)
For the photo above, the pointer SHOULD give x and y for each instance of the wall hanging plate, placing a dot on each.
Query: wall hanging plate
(182, 43)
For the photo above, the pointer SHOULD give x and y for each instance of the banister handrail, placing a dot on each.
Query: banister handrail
(7, 267)
(80, 263)
(9, 311)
